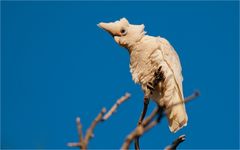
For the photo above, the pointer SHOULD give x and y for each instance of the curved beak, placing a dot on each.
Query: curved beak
(109, 27)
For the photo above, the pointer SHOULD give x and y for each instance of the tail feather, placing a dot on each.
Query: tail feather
(177, 116)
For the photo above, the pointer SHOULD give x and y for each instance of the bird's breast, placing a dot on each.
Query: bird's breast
(143, 64)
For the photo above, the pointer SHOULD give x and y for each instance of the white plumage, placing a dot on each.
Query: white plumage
(148, 56)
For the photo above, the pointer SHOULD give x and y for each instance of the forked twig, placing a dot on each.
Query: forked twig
(83, 141)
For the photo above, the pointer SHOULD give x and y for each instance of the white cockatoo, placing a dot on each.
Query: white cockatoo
(155, 65)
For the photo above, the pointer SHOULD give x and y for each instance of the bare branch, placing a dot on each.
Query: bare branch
(80, 134)
(149, 123)
(175, 143)
(143, 126)
(79, 127)
(194, 95)
(160, 115)
(151, 116)
(89, 133)
(139, 130)
(115, 106)
(83, 142)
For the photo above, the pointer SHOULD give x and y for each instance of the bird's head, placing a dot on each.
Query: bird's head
(124, 33)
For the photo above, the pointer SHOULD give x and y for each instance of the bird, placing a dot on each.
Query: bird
(155, 66)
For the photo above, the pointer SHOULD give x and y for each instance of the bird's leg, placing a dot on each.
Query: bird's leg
(145, 107)
(159, 77)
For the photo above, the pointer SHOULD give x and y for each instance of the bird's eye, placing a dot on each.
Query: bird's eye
(123, 31)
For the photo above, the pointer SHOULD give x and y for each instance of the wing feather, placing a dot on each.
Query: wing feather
(171, 58)
(173, 94)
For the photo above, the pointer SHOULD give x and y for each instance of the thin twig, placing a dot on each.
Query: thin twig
(72, 144)
(175, 143)
(115, 106)
(79, 126)
(80, 134)
(194, 95)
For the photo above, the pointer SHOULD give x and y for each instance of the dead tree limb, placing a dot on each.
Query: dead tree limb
(83, 141)
(175, 143)
(152, 120)
(149, 123)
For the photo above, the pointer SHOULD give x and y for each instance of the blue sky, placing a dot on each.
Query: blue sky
(56, 64)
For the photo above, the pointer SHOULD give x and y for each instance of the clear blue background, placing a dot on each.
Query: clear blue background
(57, 65)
